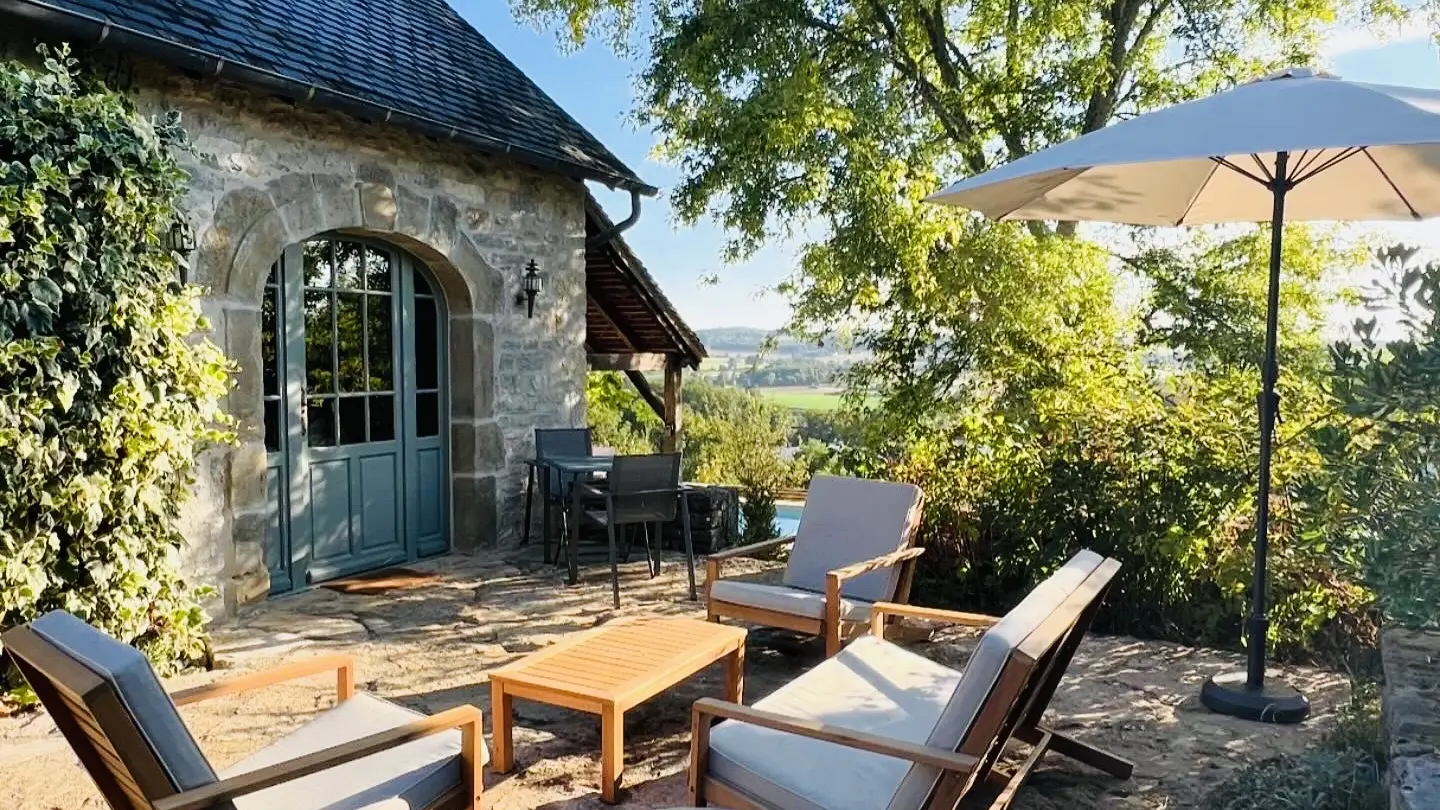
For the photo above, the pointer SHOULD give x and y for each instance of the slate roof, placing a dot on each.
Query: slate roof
(414, 63)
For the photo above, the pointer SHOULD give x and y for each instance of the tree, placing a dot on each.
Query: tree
(618, 416)
(1040, 410)
(105, 394)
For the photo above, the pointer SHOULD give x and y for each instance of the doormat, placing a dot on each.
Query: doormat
(386, 579)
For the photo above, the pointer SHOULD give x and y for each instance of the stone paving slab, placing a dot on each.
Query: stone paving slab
(430, 648)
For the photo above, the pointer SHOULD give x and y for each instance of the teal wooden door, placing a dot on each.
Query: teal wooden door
(353, 343)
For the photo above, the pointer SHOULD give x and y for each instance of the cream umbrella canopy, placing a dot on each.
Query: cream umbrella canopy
(1296, 145)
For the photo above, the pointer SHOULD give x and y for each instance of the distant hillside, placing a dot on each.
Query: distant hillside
(748, 340)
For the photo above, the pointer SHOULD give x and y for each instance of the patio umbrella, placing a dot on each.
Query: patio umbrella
(1299, 145)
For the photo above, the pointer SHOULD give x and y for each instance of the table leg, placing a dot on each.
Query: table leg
(735, 675)
(529, 499)
(545, 509)
(502, 758)
(572, 545)
(612, 752)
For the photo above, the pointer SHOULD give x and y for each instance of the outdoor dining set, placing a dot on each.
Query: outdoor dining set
(623, 494)
(873, 725)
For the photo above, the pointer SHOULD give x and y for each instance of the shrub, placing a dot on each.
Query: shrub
(105, 397)
(1343, 772)
(1375, 505)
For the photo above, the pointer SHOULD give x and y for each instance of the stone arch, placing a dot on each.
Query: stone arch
(250, 229)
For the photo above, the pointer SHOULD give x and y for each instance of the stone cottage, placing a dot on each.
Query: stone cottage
(372, 181)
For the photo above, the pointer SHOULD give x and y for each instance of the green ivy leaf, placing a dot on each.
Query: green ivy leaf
(45, 291)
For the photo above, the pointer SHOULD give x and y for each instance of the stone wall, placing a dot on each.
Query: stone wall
(1410, 717)
(268, 174)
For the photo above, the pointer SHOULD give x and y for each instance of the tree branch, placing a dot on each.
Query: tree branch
(952, 117)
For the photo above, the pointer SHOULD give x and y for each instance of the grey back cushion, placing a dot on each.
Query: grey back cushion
(983, 669)
(849, 520)
(129, 673)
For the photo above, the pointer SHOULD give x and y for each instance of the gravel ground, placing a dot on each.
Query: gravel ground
(430, 648)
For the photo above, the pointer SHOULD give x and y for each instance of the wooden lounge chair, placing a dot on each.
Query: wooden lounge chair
(853, 548)
(877, 727)
(363, 753)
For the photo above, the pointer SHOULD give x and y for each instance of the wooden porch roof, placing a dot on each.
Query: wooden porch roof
(626, 314)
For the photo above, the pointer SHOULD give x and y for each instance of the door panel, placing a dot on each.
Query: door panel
(354, 402)
(277, 548)
(329, 514)
(380, 513)
(430, 500)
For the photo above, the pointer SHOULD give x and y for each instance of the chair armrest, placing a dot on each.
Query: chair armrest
(217, 795)
(342, 665)
(874, 564)
(874, 743)
(880, 610)
(753, 548)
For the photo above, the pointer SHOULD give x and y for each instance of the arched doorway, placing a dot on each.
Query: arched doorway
(353, 351)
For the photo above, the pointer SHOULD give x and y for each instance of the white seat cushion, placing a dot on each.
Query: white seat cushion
(784, 599)
(850, 520)
(407, 777)
(870, 686)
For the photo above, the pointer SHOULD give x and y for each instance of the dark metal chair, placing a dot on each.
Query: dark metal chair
(641, 491)
(551, 442)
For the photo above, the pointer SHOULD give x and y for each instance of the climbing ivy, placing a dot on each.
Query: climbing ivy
(106, 395)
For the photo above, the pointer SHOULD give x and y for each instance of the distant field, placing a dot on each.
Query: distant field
(803, 399)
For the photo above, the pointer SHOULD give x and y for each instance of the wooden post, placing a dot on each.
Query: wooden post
(672, 405)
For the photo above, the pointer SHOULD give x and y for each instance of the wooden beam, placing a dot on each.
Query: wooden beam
(605, 315)
(646, 392)
(671, 415)
(637, 361)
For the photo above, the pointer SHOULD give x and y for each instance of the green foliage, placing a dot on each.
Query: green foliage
(105, 397)
(619, 417)
(731, 437)
(734, 437)
(1375, 507)
(757, 515)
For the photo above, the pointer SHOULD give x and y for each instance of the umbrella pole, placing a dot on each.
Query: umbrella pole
(1246, 694)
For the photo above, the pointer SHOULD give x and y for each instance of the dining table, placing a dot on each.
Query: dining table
(568, 469)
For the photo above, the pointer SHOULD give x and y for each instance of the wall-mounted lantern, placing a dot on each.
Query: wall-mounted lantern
(531, 284)
(180, 239)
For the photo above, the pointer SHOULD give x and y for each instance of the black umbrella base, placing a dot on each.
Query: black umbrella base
(1273, 702)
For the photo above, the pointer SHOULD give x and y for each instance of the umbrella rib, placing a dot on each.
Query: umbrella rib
(1343, 155)
(1200, 189)
(1227, 163)
(1398, 193)
(1307, 159)
(1264, 170)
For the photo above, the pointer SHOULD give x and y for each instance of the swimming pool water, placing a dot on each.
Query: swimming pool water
(787, 518)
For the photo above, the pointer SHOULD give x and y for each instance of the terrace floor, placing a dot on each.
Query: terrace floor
(430, 647)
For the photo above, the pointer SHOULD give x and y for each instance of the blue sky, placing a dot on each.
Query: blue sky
(597, 89)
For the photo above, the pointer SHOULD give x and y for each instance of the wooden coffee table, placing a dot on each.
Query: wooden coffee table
(608, 671)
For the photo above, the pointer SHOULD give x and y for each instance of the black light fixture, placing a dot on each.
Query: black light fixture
(530, 286)
(181, 239)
